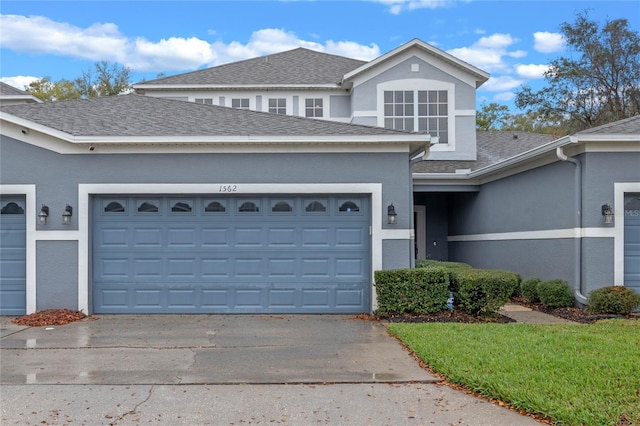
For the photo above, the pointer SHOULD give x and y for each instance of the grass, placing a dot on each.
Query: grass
(571, 374)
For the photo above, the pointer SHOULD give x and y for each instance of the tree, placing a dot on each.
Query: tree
(105, 79)
(48, 90)
(491, 116)
(601, 84)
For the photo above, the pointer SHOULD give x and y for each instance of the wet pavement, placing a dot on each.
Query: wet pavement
(216, 369)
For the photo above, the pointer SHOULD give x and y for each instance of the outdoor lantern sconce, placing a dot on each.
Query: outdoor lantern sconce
(607, 212)
(66, 215)
(43, 215)
(392, 215)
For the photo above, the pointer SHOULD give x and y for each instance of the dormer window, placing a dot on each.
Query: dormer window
(313, 107)
(240, 103)
(424, 111)
(278, 106)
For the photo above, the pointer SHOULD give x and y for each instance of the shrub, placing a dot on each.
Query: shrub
(617, 300)
(429, 263)
(419, 291)
(482, 292)
(529, 290)
(555, 294)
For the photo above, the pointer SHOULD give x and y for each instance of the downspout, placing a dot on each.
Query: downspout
(577, 197)
(414, 157)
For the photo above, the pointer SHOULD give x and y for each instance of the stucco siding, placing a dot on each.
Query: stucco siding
(544, 259)
(540, 199)
(601, 171)
(57, 272)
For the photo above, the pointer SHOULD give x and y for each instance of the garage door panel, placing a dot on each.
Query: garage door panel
(182, 238)
(215, 237)
(223, 256)
(13, 269)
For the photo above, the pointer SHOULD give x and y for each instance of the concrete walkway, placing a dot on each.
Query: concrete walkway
(526, 315)
(223, 370)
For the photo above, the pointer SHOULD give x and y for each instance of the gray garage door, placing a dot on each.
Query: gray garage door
(12, 256)
(632, 241)
(287, 254)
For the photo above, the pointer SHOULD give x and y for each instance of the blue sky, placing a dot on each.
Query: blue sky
(512, 40)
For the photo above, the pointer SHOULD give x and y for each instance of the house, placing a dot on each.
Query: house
(283, 182)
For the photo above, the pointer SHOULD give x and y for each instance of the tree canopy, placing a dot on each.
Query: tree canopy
(103, 79)
(597, 84)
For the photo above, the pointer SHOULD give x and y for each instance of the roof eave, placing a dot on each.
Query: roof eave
(481, 76)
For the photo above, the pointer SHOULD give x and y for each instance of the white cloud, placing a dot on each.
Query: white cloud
(531, 71)
(504, 96)
(19, 81)
(502, 83)
(398, 6)
(488, 52)
(104, 41)
(546, 42)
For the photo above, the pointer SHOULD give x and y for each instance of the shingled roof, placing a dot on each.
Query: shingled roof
(8, 92)
(136, 115)
(298, 66)
(628, 126)
(492, 147)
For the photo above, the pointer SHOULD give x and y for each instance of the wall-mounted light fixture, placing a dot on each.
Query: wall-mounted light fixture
(607, 212)
(66, 215)
(43, 215)
(392, 216)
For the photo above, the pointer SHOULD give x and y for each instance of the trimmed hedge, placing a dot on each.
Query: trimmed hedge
(482, 292)
(419, 291)
(529, 290)
(429, 263)
(555, 294)
(617, 300)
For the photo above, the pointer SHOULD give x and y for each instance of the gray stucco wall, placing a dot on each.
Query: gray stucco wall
(339, 106)
(365, 98)
(543, 199)
(544, 259)
(57, 177)
(538, 199)
(57, 275)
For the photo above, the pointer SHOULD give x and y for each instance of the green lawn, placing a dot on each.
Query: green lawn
(587, 374)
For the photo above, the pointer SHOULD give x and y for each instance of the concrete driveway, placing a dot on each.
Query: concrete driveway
(216, 369)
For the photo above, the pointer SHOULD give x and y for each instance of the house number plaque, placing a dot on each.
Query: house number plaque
(228, 188)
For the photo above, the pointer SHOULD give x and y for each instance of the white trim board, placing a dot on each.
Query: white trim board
(548, 234)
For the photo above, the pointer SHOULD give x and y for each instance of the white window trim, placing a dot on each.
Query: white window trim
(415, 84)
(302, 109)
(288, 103)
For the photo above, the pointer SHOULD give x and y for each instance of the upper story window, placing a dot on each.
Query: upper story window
(240, 103)
(206, 101)
(278, 105)
(313, 107)
(425, 111)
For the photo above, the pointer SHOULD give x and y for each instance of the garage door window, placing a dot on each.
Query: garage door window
(114, 207)
(215, 207)
(282, 207)
(248, 207)
(12, 208)
(316, 206)
(349, 206)
(148, 207)
(182, 207)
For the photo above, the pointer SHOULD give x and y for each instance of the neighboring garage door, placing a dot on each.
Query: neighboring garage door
(632, 241)
(12, 256)
(262, 254)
